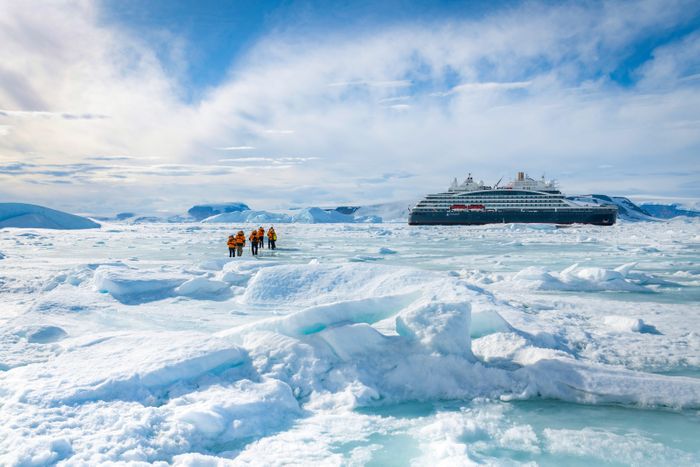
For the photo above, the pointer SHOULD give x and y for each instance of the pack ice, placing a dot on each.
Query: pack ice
(317, 353)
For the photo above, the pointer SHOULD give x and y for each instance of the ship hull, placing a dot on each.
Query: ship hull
(595, 216)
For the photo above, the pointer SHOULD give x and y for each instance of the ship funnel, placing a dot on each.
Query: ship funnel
(521, 176)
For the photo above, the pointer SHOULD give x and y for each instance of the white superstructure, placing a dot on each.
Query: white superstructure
(522, 193)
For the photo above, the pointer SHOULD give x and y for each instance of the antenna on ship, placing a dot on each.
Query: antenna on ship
(498, 182)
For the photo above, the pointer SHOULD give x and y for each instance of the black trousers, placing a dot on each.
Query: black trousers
(271, 244)
(254, 247)
(261, 243)
(231, 252)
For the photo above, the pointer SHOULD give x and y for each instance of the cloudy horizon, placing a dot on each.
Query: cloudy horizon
(105, 107)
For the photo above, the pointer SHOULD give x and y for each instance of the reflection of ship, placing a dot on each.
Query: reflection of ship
(523, 200)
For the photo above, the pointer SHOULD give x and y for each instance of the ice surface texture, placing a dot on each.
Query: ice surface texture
(279, 359)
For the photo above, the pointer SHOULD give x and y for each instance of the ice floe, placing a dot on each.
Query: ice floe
(150, 355)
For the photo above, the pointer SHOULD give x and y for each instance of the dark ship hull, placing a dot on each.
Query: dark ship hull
(595, 216)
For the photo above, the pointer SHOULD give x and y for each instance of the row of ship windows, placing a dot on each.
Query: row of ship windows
(490, 198)
(495, 201)
(491, 206)
(501, 203)
(489, 195)
(441, 208)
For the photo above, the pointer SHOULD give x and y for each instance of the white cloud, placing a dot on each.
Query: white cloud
(44, 114)
(275, 160)
(279, 132)
(569, 116)
(396, 83)
(236, 148)
(484, 86)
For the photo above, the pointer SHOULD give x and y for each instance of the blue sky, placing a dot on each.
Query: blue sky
(217, 33)
(154, 106)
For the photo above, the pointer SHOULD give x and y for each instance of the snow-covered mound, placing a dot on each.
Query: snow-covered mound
(203, 211)
(31, 216)
(668, 211)
(625, 324)
(573, 279)
(626, 209)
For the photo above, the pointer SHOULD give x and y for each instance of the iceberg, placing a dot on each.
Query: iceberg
(249, 216)
(669, 211)
(626, 209)
(203, 211)
(31, 216)
(396, 211)
(320, 216)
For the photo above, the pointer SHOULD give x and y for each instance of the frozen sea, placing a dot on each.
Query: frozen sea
(352, 344)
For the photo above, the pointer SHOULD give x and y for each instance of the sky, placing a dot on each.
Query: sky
(151, 107)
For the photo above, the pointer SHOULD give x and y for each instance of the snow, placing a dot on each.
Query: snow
(30, 216)
(577, 279)
(202, 287)
(491, 344)
(130, 285)
(624, 323)
(44, 334)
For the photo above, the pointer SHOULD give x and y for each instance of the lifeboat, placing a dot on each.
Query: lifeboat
(467, 207)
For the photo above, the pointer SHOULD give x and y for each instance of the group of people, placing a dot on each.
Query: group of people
(257, 240)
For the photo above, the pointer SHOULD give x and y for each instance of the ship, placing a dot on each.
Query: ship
(524, 200)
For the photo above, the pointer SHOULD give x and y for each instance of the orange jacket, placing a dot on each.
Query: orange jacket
(271, 233)
(240, 238)
(253, 236)
(231, 242)
(261, 232)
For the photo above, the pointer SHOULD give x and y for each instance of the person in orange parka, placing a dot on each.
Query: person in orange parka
(240, 242)
(253, 242)
(231, 243)
(271, 238)
(261, 237)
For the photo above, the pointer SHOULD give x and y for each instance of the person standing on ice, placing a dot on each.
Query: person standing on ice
(271, 237)
(261, 237)
(240, 242)
(253, 242)
(231, 246)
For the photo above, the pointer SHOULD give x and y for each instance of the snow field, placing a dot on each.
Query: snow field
(177, 357)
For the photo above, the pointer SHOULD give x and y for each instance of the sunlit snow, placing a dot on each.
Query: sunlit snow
(351, 344)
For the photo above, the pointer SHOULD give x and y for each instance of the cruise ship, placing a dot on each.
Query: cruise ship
(523, 200)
